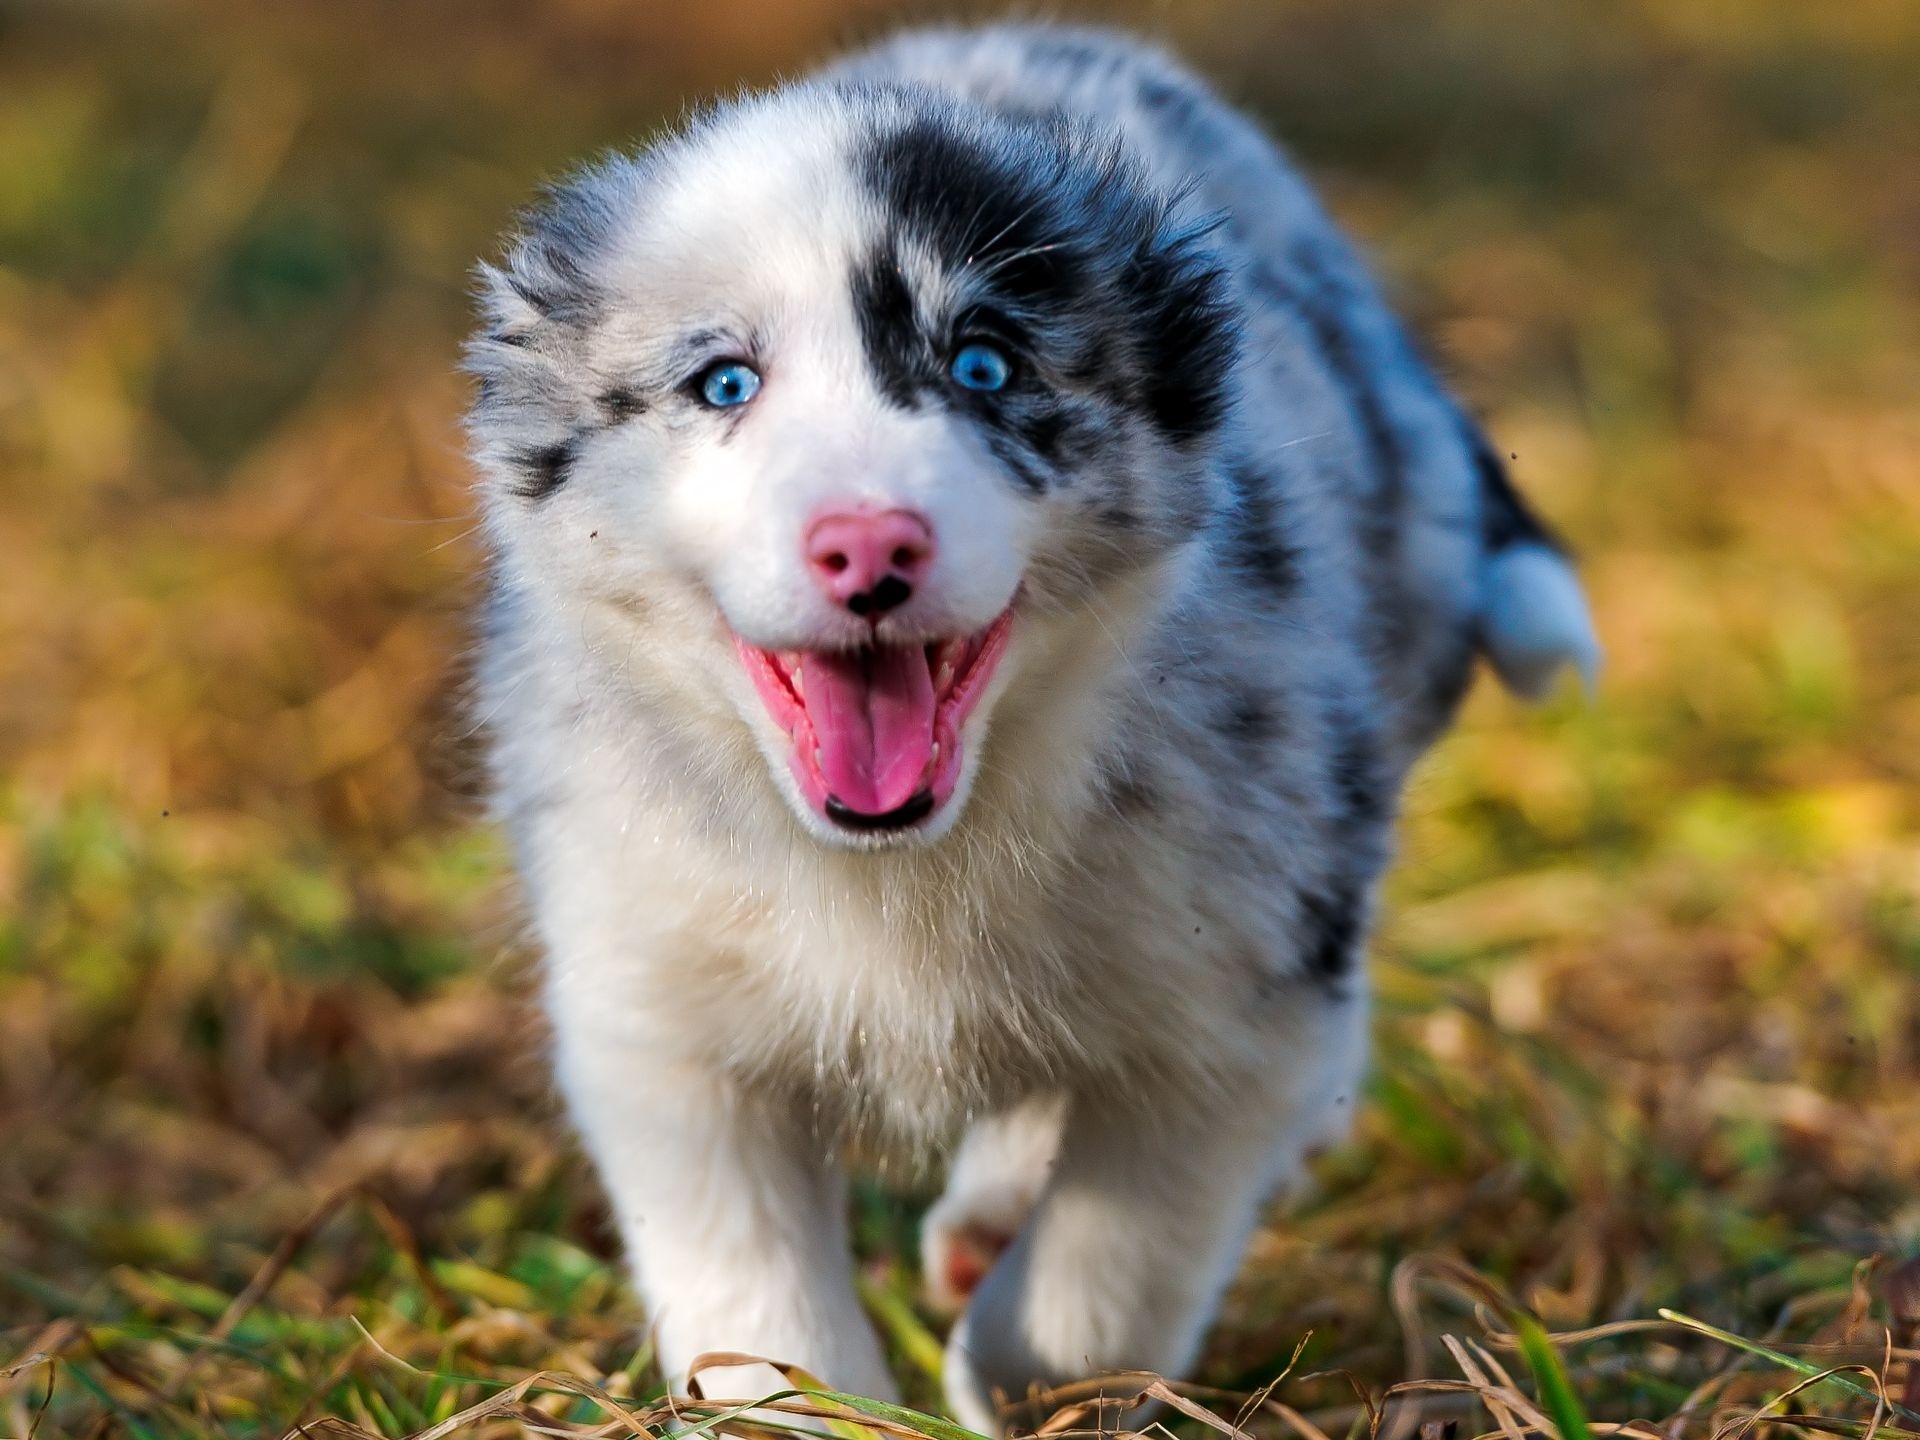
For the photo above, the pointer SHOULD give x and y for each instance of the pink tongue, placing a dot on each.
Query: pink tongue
(872, 717)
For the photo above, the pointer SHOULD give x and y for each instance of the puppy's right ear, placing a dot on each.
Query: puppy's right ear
(508, 312)
(538, 311)
(537, 307)
(520, 355)
(534, 386)
(540, 303)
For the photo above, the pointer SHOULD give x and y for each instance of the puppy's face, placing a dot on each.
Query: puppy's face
(840, 398)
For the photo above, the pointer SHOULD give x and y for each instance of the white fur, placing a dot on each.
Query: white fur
(1535, 620)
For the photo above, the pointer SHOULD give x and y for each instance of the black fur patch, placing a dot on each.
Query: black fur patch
(1190, 344)
(1008, 450)
(534, 299)
(1175, 106)
(1447, 679)
(976, 203)
(1255, 546)
(1360, 799)
(1332, 921)
(1250, 719)
(1067, 238)
(544, 469)
(1504, 517)
(899, 355)
(622, 403)
(1069, 49)
(1045, 428)
(1360, 781)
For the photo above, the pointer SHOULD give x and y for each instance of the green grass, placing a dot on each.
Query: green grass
(276, 1145)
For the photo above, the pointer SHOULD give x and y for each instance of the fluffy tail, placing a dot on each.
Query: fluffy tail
(1533, 613)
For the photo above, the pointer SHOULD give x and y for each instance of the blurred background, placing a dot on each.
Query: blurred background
(273, 1126)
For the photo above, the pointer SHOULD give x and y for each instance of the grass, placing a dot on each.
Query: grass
(1642, 1145)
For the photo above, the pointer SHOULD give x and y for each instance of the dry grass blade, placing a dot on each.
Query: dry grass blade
(1069, 1408)
(1873, 1425)
(509, 1403)
(1502, 1402)
(1194, 1410)
(1789, 1362)
(1260, 1397)
(1835, 1425)
(1705, 1391)
(43, 1349)
(1294, 1420)
(331, 1425)
(1492, 1366)
(1613, 1330)
(1449, 1273)
(847, 1413)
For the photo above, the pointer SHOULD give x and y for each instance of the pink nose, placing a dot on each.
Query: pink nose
(869, 561)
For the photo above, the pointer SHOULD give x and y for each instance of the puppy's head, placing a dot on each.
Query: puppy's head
(843, 398)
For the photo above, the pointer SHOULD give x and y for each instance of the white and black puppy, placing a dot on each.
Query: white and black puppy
(973, 560)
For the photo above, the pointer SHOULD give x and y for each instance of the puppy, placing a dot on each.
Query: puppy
(973, 560)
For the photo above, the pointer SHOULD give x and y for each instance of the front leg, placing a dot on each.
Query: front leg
(993, 1182)
(1144, 1218)
(734, 1215)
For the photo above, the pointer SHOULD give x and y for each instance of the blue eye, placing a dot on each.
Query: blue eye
(730, 383)
(980, 366)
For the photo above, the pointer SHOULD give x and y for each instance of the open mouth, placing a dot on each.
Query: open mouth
(874, 733)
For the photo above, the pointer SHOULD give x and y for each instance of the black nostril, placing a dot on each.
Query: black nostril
(890, 594)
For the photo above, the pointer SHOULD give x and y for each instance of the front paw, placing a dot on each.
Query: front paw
(969, 1398)
(955, 1257)
(993, 1407)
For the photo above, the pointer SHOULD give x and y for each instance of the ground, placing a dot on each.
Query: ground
(275, 1141)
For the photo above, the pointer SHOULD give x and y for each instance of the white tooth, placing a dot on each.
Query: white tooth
(944, 678)
(799, 685)
(819, 760)
(936, 752)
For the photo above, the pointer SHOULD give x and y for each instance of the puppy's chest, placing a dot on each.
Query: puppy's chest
(901, 1007)
(908, 1002)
